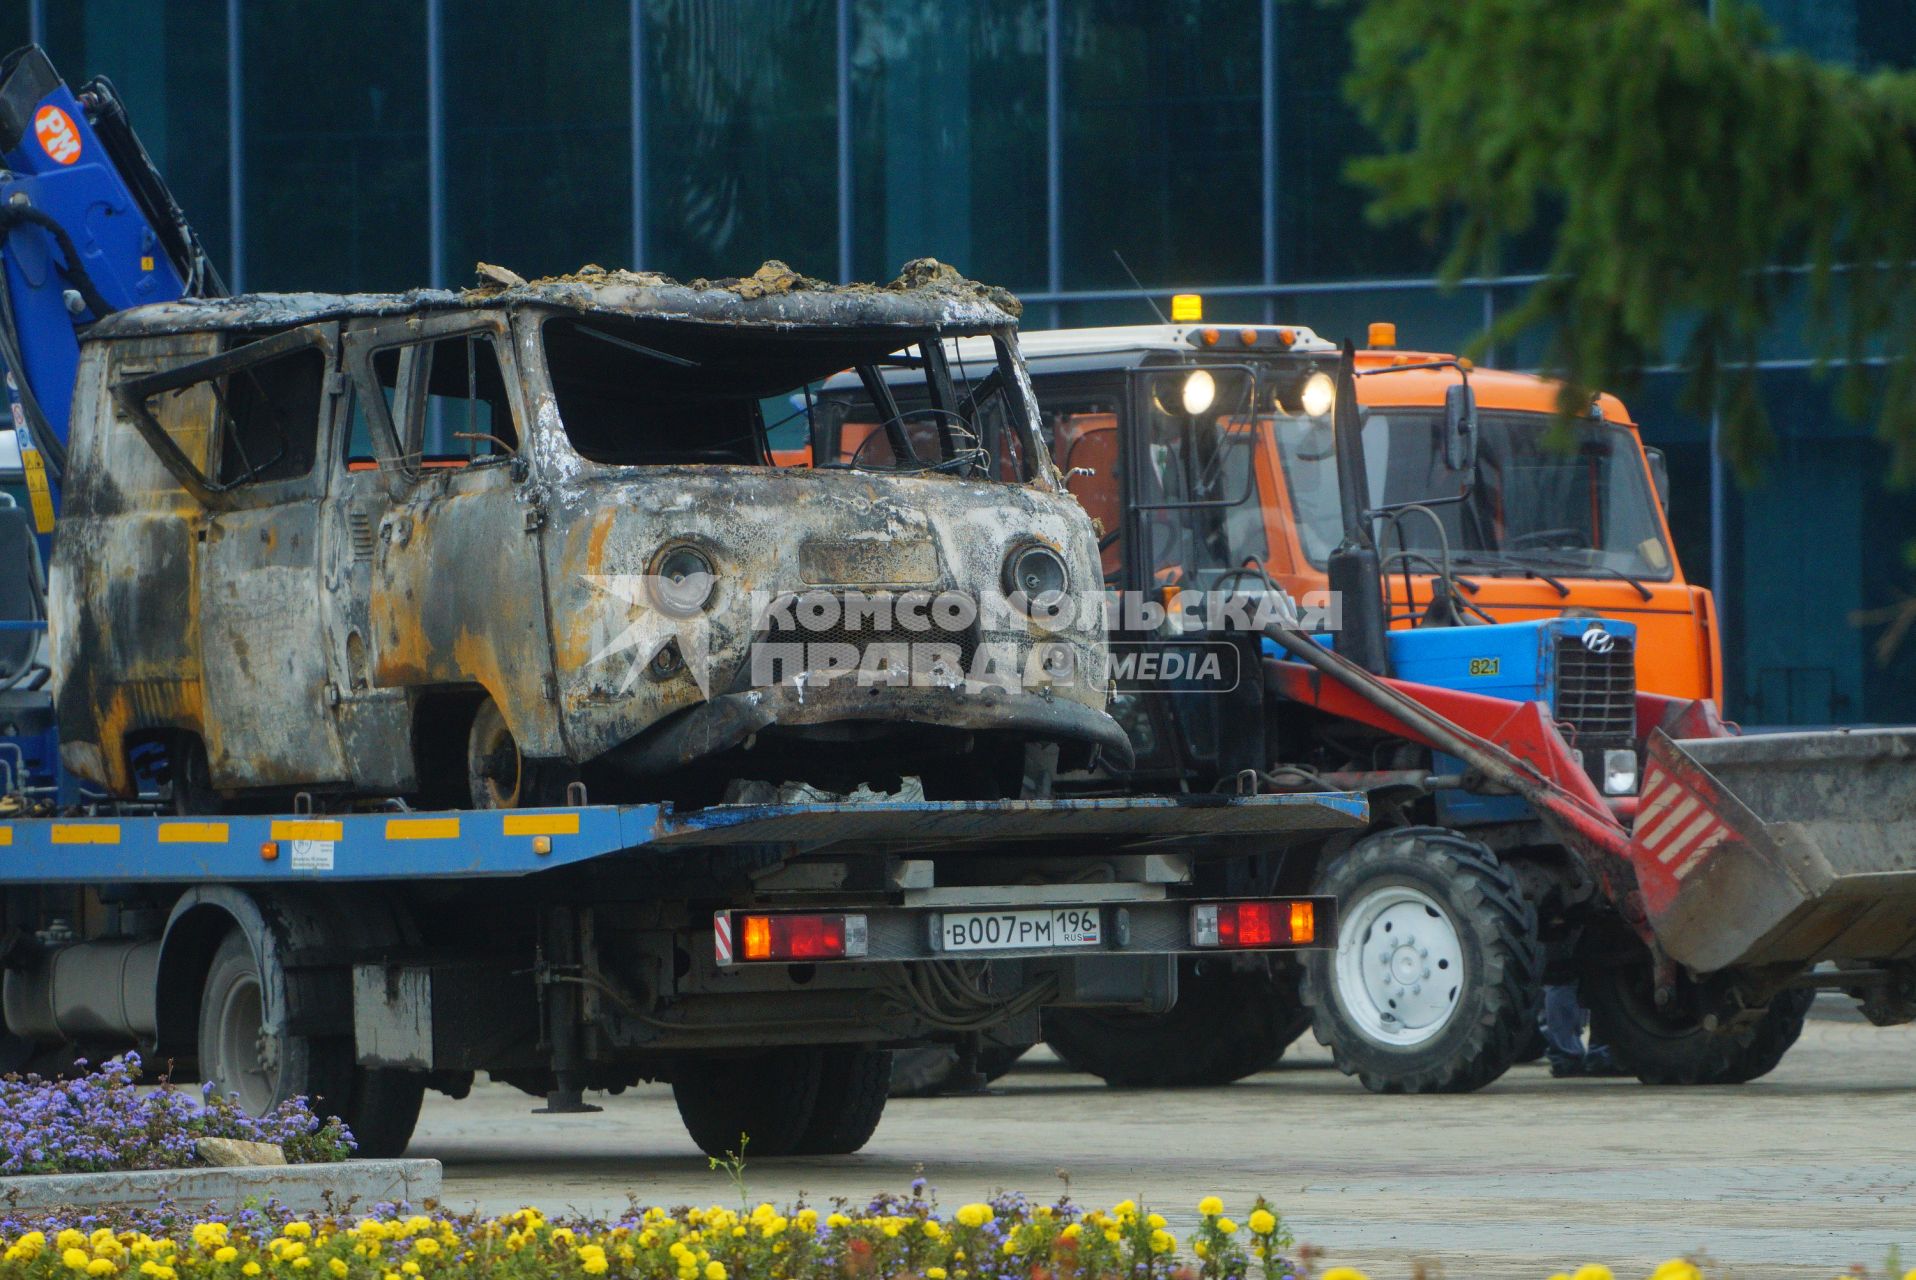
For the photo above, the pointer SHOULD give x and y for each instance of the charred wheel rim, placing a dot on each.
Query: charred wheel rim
(1400, 966)
(493, 763)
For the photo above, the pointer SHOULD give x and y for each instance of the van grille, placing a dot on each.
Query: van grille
(1597, 692)
(865, 629)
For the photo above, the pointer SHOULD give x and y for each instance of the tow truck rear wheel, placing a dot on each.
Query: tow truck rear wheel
(1225, 1026)
(1670, 1045)
(1434, 983)
(245, 1053)
(786, 1102)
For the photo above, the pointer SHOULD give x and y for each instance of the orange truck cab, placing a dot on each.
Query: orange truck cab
(1228, 468)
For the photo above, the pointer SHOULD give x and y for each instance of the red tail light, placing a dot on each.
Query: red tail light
(793, 937)
(1282, 922)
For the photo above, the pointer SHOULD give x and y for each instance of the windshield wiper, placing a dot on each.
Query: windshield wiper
(1603, 570)
(1503, 560)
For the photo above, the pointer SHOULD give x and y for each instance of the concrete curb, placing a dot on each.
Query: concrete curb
(300, 1187)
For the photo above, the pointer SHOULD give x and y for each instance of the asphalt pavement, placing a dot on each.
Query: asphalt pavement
(1799, 1174)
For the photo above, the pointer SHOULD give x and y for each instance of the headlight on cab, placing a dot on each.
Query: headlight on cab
(1036, 578)
(683, 580)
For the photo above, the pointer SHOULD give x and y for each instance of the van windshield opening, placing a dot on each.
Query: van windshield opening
(649, 393)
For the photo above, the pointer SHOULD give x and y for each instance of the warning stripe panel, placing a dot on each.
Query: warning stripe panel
(422, 828)
(722, 936)
(1668, 823)
(85, 833)
(308, 829)
(1716, 837)
(1659, 793)
(541, 824)
(193, 833)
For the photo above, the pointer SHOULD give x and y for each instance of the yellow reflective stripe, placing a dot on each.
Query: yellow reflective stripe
(542, 824)
(193, 833)
(307, 829)
(6, 836)
(86, 833)
(39, 496)
(422, 828)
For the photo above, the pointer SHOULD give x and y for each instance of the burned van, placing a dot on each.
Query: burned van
(475, 547)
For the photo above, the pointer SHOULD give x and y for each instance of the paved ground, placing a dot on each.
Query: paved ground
(1799, 1174)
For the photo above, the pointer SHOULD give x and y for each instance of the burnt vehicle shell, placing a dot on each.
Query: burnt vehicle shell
(326, 609)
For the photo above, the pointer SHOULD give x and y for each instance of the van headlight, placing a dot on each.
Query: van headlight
(1036, 576)
(683, 579)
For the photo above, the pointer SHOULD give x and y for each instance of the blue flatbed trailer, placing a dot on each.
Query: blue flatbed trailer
(764, 958)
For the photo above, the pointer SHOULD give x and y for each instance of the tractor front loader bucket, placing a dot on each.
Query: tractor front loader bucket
(1780, 849)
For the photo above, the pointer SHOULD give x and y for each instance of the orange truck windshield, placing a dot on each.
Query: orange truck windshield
(1569, 500)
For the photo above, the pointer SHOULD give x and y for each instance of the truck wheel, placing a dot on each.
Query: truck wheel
(1670, 1046)
(853, 1084)
(926, 1071)
(242, 1055)
(767, 1098)
(1225, 1026)
(1434, 982)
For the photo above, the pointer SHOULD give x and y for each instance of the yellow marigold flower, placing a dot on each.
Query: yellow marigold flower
(595, 1266)
(974, 1215)
(338, 1267)
(1597, 1271)
(1155, 1222)
(562, 1235)
(1910, 1274)
(390, 1275)
(1113, 1235)
(715, 1271)
(1263, 1222)
(807, 1219)
(68, 1239)
(1210, 1206)
(426, 1245)
(1343, 1273)
(1072, 1232)
(1163, 1241)
(934, 1273)
(410, 1267)
(100, 1267)
(226, 1253)
(933, 1231)
(1201, 1249)
(1226, 1226)
(891, 1228)
(838, 1221)
(1674, 1269)
(74, 1256)
(299, 1264)
(1010, 1247)
(304, 1230)
(250, 1269)
(773, 1226)
(1043, 1211)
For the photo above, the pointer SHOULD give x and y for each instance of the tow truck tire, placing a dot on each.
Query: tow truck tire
(1660, 1048)
(1225, 1026)
(768, 1099)
(1434, 983)
(239, 1057)
(853, 1084)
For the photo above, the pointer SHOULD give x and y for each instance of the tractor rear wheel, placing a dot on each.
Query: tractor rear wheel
(1670, 1045)
(1227, 1024)
(1434, 983)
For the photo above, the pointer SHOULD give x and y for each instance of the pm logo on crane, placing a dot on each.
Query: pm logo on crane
(58, 136)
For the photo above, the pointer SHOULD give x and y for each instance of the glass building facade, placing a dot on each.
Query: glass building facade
(1053, 146)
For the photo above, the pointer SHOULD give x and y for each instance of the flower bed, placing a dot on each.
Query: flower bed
(892, 1238)
(104, 1123)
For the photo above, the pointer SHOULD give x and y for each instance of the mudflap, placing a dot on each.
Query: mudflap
(1780, 849)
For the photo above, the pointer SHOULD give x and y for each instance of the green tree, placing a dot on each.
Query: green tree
(1689, 173)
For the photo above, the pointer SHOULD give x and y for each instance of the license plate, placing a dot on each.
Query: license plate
(1006, 930)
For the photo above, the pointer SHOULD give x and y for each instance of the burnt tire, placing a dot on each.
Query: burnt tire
(1226, 1025)
(241, 1054)
(1436, 978)
(927, 1071)
(498, 776)
(853, 1085)
(766, 1099)
(1664, 1047)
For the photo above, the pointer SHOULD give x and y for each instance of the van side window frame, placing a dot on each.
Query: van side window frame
(410, 336)
(132, 397)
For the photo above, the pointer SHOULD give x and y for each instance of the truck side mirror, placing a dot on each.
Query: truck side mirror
(1659, 475)
(1460, 428)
